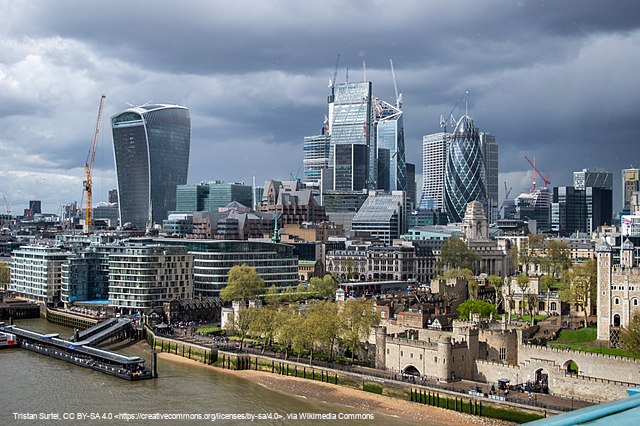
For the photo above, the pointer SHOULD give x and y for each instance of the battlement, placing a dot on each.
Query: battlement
(594, 355)
(619, 269)
(414, 343)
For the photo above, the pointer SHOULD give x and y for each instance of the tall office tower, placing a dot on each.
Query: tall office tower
(630, 184)
(464, 176)
(411, 184)
(315, 158)
(151, 148)
(580, 210)
(390, 137)
(434, 159)
(352, 125)
(490, 152)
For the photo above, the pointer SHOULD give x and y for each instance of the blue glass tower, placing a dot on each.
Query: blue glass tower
(151, 148)
(464, 179)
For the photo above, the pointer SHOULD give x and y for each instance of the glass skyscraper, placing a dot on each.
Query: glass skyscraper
(151, 148)
(352, 125)
(465, 178)
(390, 136)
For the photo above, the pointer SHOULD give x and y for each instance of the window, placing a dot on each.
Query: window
(503, 354)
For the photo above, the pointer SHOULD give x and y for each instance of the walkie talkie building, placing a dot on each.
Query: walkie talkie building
(464, 178)
(151, 148)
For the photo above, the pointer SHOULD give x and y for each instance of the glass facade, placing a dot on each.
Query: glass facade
(390, 136)
(315, 157)
(490, 154)
(151, 147)
(352, 125)
(464, 179)
(434, 159)
(350, 167)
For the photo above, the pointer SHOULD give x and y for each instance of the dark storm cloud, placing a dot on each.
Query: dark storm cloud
(554, 80)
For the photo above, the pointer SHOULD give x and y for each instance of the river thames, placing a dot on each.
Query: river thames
(35, 384)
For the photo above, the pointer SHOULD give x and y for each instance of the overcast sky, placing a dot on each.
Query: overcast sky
(555, 80)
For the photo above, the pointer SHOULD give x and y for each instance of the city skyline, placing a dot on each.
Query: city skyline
(552, 82)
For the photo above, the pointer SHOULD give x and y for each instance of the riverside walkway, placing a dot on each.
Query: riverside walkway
(550, 403)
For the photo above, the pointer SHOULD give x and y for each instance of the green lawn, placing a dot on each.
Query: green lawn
(581, 335)
(584, 339)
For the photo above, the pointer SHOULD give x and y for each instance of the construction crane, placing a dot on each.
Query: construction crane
(395, 86)
(88, 173)
(506, 197)
(332, 80)
(545, 179)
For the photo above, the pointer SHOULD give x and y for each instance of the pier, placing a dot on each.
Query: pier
(80, 353)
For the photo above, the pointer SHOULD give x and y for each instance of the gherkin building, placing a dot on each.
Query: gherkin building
(464, 179)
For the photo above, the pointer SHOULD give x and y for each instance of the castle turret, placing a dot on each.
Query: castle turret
(605, 259)
(443, 367)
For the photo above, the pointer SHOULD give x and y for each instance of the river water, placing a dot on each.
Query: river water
(31, 383)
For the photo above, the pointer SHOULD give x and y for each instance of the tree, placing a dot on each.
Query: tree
(523, 282)
(264, 324)
(580, 286)
(557, 257)
(242, 323)
(5, 276)
(324, 287)
(454, 254)
(324, 316)
(630, 336)
(358, 318)
(244, 283)
(472, 306)
(496, 283)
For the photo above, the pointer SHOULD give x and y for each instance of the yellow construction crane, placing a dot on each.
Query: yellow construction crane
(88, 173)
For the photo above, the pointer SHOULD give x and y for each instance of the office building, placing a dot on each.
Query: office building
(383, 216)
(411, 184)
(489, 149)
(352, 125)
(392, 168)
(434, 159)
(630, 184)
(594, 178)
(315, 158)
(580, 210)
(350, 167)
(151, 148)
(464, 177)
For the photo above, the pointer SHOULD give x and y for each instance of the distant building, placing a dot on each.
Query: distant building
(383, 216)
(465, 173)
(630, 184)
(489, 149)
(580, 210)
(434, 159)
(211, 196)
(291, 203)
(316, 158)
(151, 147)
(594, 178)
